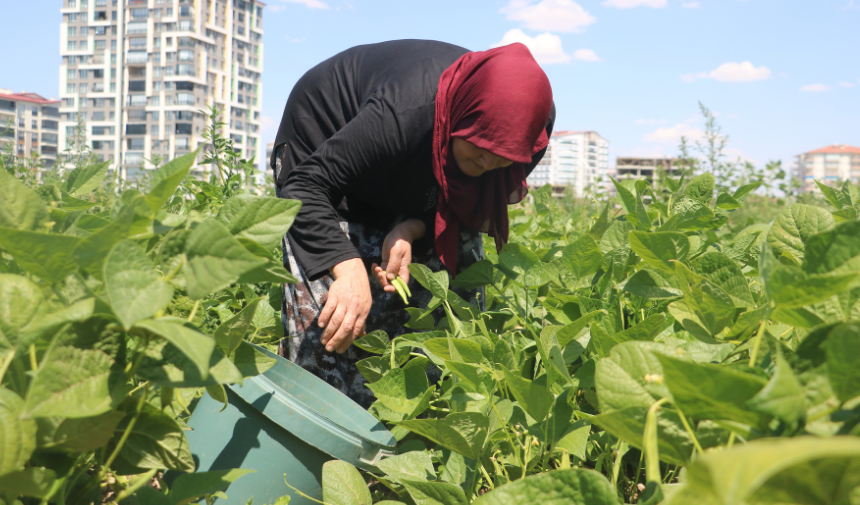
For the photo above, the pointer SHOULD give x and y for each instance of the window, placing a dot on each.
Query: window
(100, 16)
(153, 116)
(184, 86)
(70, 74)
(135, 143)
(113, 73)
(185, 69)
(182, 143)
(98, 87)
(137, 42)
(69, 102)
(136, 57)
(186, 55)
(139, 13)
(101, 44)
(136, 27)
(184, 115)
(134, 159)
(137, 86)
(102, 130)
(156, 86)
(185, 26)
(136, 100)
(135, 129)
(83, 45)
(156, 42)
(98, 73)
(83, 88)
(168, 70)
(155, 100)
(185, 99)
(72, 3)
(83, 73)
(85, 30)
(153, 130)
(183, 129)
(101, 30)
(70, 88)
(98, 115)
(73, 31)
(185, 10)
(72, 45)
(84, 4)
(156, 72)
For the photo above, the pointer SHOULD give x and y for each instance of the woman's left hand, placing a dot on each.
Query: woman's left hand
(397, 253)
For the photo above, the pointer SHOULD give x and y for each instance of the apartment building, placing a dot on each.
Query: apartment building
(138, 73)
(579, 159)
(829, 165)
(647, 168)
(33, 126)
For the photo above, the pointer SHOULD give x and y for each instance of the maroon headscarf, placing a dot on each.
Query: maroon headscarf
(500, 100)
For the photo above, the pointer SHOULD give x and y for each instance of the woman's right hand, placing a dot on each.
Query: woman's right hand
(346, 307)
(397, 253)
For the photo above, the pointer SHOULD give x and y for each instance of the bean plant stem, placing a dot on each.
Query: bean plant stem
(689, 429)
(616, 468)
(125, 434)
(193, 311)
(757, 343)
(139, 483)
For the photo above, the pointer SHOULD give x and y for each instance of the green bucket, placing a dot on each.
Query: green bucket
(285, 421)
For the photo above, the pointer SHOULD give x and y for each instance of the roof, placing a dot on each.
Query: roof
(836, 149)
(569, 132)
(28, 97)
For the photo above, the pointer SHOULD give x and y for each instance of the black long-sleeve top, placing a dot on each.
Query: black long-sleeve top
(358, 132)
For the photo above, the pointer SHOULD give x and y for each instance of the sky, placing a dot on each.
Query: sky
(782, 76)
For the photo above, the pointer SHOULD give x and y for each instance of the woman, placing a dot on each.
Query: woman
(400, 151)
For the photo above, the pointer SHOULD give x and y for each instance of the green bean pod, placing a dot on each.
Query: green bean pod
(405, 286)
(398, 286)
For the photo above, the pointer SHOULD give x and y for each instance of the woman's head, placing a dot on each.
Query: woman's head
(492, 110)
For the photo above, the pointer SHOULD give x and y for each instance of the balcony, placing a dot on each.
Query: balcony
(7, 106)
(49, 150)
(47, 124)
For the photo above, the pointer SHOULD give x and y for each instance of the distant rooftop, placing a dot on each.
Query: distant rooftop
(836, 149)
(6, 94)
(561, 133)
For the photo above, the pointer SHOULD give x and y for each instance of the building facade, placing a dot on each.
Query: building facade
(137, 73)
(33, 126)
(829, 165)
(647, 168)
(579, 159)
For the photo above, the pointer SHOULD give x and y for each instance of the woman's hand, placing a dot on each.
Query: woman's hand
(347, 306)
(397, 253)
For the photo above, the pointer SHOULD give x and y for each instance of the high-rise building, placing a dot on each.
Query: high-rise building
(33, 125)
(137, 72)
(647, 168)
(574, 158)
(828, 165)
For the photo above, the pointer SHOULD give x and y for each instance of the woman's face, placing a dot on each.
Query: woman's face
(474, 161)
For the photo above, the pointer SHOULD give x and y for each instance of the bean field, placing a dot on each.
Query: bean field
(684, 340)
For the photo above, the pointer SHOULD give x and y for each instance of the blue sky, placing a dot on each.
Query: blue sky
(782, 75)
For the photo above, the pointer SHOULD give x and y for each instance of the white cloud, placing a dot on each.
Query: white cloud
(585, 55)
(691, 5)
(815, 87)
(628, 4)
(546, 47)
(549, 15)
(846, 84)
(295, 39)
(673, 134)
(732, 72)
(650, 121)
(310, 4)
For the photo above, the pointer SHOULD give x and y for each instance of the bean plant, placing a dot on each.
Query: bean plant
(120, 304)
(637, 351)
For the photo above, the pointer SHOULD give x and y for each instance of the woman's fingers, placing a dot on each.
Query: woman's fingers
(344, 335)
(334, 323)
(382, 278)
(328, 309)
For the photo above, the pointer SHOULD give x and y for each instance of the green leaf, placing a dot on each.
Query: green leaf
(753, 473)
(705, 310)
(583, 257)
(342, 484)
(616, 236)
(188, 486)
(705, 391)
(167, 366)
(575, 486)
(722, 271)
(232, 332)
(134, 290)
(92, 250)
(215, 259)
(194, 345)
(155, 441)
(836, 198)
(166, 179)
(649, 284)
(262, 219)
(701, 188)
(83, 180)
(726, 201)
(251, 361)
(435, 493)
(478, 274)
(690, 214)
(576, 329)
(628, 199)
(631, 376)
(842, 348)
(792, 287)
(659, 248)
(80, 435)
(462, 432)
(628, 424)
(534, 396)
(794, 226)
(455, 349)
(73, 383)
(414, 465)
(20, 207)
(835, 251)
(48, 256)
(34, 482)
(435, 282)
(782, 397)
(406, 391)
(746, 189)
(523, 262)
(376, 342)
(17, 433)
(575, 439)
